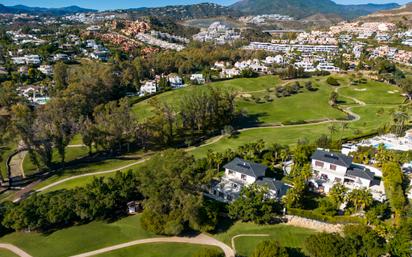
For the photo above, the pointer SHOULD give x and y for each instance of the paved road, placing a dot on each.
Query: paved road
(15, 250)
(201, 239)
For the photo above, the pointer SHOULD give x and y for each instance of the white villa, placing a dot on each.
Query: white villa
(175, 81)
(197, 79)
(240, 173)
(229, 73)
(330, 168)
(150, 87)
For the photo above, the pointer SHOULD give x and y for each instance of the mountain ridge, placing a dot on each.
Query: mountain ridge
(17, 9)
(305, 8)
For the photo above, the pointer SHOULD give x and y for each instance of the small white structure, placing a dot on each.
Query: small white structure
(175, 81)
(150, 87)
(306, 66)
(33, 59)
(326, 66)
(46, 70)
(197, 79)
(229, 73)
(278, 59)
(60, 57)
(19, 60)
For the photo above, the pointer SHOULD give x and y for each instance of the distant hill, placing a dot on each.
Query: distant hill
(305, 8)
(402, 14)
(185, 12)
(40, 10)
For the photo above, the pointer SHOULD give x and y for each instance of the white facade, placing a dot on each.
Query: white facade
(150, 87)
(198, 78)
(175, 81)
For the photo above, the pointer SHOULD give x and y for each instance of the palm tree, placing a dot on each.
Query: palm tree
(400, 119)
(360, 198)
(332, 130)
(344, 126)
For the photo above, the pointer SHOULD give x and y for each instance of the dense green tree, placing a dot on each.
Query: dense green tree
(325, 245)
(394, 182)
(254, 205)
(60, 76)
(174, 201)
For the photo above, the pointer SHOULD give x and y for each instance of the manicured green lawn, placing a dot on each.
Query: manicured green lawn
(6, 253)
(304, 106)
(158, 250)
(368, 123)
(287, 236)
(374, 92)
(78, 239)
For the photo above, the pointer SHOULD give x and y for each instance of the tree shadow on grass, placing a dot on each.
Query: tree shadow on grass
(249, 120)
(295, 252)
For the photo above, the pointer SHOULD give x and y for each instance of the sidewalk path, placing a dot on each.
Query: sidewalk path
(201, 239)
(15, 250)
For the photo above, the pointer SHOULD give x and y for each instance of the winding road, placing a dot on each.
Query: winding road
(201, 239)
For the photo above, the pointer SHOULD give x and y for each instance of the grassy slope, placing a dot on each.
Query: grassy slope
(82, 181)
(158, 250)
(96, 235)
(78, 239)
(6, 253)
(287, 236)
(108, 164)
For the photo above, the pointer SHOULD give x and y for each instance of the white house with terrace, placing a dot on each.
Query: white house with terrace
(240, 173)
(330, 168)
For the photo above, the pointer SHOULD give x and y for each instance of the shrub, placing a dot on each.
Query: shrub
(332, 81)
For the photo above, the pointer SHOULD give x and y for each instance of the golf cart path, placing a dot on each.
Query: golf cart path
(15, 250)
(91, 174)
(201, 239)
(246, 235)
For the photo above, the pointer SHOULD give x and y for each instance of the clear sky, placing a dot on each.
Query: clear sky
(122, 4)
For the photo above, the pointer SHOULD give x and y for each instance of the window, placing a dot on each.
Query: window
(319, 164)
(333, 167)
(229, 198)
(231, 172)
(243, 177)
